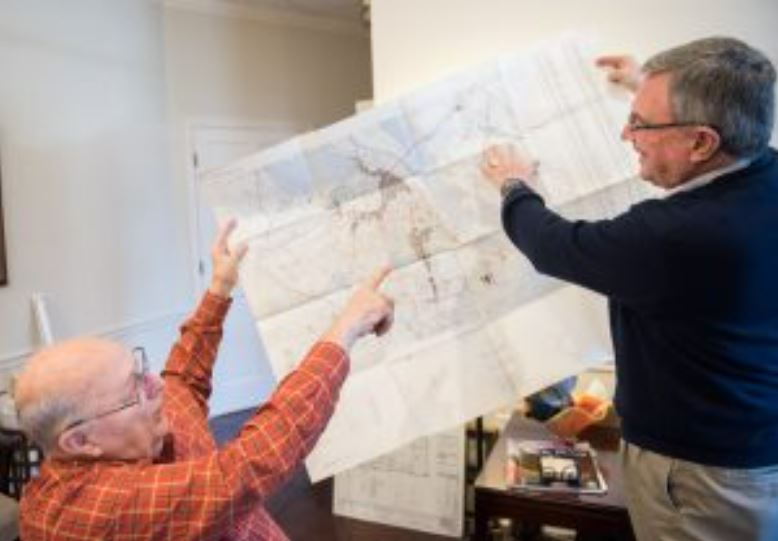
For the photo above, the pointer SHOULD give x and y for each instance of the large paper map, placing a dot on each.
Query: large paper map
(476, 327)
(417, 487)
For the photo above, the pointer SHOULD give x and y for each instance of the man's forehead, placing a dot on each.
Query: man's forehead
(81, 365)
(654, 88)
(652, 99)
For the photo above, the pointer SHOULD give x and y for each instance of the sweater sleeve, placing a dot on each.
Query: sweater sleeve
(621, 258)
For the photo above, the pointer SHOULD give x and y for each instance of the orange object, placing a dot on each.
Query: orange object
(586, 411)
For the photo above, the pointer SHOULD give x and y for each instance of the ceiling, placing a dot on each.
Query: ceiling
(346, 10)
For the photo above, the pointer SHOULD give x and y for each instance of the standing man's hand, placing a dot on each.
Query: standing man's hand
(622, 70)
(501, 163)
(368, 311)
(226, 260)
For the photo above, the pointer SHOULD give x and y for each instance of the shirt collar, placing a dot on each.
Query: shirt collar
(707, 178)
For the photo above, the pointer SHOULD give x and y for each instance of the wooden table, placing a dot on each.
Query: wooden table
(592, 516)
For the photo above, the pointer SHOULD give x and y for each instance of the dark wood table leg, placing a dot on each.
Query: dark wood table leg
(481, 532)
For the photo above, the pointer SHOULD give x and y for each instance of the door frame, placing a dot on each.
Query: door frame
(197, 125)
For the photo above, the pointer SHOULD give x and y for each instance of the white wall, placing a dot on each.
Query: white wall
(232, 69)
(226, 66)
(415, 41)
(95, 101)
(85, 170)
(226, 69)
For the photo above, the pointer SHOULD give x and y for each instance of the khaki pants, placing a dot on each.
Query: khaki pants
(671, 499)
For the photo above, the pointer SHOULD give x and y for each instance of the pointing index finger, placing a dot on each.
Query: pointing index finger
(374, 282)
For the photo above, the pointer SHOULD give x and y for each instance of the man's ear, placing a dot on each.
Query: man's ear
(707, 142)
(76, 442)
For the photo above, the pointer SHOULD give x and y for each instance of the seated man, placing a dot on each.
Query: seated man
(129, 453)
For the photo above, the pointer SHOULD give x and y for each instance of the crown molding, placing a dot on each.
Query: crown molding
(268, 15)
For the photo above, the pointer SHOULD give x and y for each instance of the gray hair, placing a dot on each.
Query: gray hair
(43, 419)
(725, 84)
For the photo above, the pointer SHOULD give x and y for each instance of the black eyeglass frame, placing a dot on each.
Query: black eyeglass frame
(634, 124)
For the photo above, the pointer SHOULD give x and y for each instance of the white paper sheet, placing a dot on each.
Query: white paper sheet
(420, 486)
(476, 327)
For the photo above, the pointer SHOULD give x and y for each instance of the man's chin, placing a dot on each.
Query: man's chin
(648, 176)
(158, 446)
(164, 425)
(161, 435)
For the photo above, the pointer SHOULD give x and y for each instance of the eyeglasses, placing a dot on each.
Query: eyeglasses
(140, 376)
(634, 123)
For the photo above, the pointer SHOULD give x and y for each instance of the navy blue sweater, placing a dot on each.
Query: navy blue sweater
(692, 284)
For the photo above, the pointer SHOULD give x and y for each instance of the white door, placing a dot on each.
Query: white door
(242, 378)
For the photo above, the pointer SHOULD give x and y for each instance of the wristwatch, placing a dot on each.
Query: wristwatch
(509, 185)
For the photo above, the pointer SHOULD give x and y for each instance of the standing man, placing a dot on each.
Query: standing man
(692, 284)
(130, 455)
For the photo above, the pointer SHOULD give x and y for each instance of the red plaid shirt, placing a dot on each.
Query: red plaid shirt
(194, 491)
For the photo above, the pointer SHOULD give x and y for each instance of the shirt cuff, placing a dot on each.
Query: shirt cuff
(213, 308)
(510, 185)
